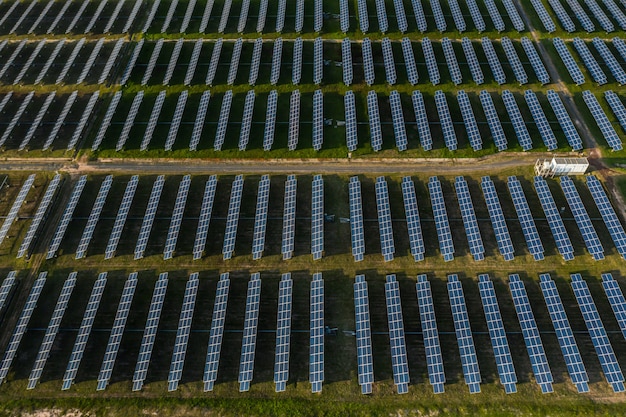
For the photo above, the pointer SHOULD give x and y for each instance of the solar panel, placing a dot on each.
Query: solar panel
(420, 18)
(582, 219)
(431, 61)
(564, 334)
(318, 60)
(234, 62)
(540, 120)
(616, 69)
(248, 344)
(384, 219)
(620, 46)
(51, 331)
(115, 14)
(414, 227)
(590, 62)
(169, 16)
(77, 16)
(318, 15)
(600, 16)
(260, 218)
(356, 219)
(29, 61)
(294, 120)
(204, 220)
(554, 219)
(117, 331)
(111, 60)
(152, 122)
(453, 65)
(471, 127)
(317, 217)
(262, 15)
(15, 208)
(545, 18)
(152, 63)
(217, 332)
(177, 218)
(457, 15)
(403, 26)
(611, 221)
(497, 334)
(571, 134)
(399, 362)
(255, 62)
(376, 136)
(318, 119)
(187, 17)
(176, 119)
(198, 125)
(445, 120)
(535, 61)
(368, 61)
(42, 14)
(564, 17)
(568, 61)
(84, 331)
(421, 119)
(364, 22)
(297, 61)
(534, 345)
(470, 223)
(171, 66)
(232, 220)
(222, 124)
(519, 125)
(501, 231)
(365, 366)
(289, 217)
(514, 61)
(131, 62)
(270, 120)
(22, 324)
(130, 120)
(206, 15)
(106, 121)
(494, 61)
(16, 117)
(150, 331)
(49, 61)
(397, 116)
(616, 299)
(472, 61)
(86, 116)
(276, 61)
(432, 347)
(246, 120)
(92, 58)
(390, 66)
(409, 61)
(350, 112)
(5, 100)
(39, 216)
(38, 118)
(381, 14)
(22, 17)
(60, 16)
(9, 12)
(316, 340)
(95, 16)
(495, 16)
(526, 219)
(193, 62)
(444, 235)
(215, 59)
(182, 333)
(607, 129)
(344, 16)
(120, 219)
(280, 16)
(7, 286)
(66, 217)
(92, 221)
(346, 57)
(69, 62)
(148, 218)
(283, 332)
(599, 338)
(616, 12)
(151, 16)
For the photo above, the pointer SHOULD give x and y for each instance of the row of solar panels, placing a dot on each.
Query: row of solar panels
(497, 333)
(574, 8)
(413, 218)
(471, 120)
(396, 331)
(283, 330)
(593, 66)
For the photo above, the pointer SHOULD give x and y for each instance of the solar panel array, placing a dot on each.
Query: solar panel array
(198, 126)
(256, 61)
(246, 120)
(493, 120)
(316, 338)
(534, 345)
(318, 60)
(84, 331)
(318, 120)
(616, 299)
(453, 65)
(293, 133)
(149, 216)
(289, 217)
(66, 217)
(568, 61)
(351, 132)
(409, 61)
(514, 61)
(540, 120)
(260, 218)
(535, 61)
(217, 332)
(297, 61)
(526, 219)
(554, 219)
(444, 235)
(494, 61)
(5, 289)
(390, 65)
(363, 335)
(423, 127)
(232, 220)
(222, 124)
(283, 332)
(470, 223)
(15, 207)
(471, 127)
(445, 120)
(16, 117)
(387, 246)
(590, 62)
(604, 350)
(498, 221)
(94, 217)
(571, 134)
(605, 125)
(469, 361)
(204, 219)
(177, 218)
(368, 61)
(397, 117)
(248, 344)
(432, 347)
(276, 61)
(431, 61)
(472, 61)
(317, 217)
(617, 107)
(497, 334)
(611, 221)
(414, 228)
(399, 361)
(356, 219)
(519, 125)
(616, 69)
(215, 58)
(130, 119)
(564, 334)
(346, 61)
(270, 120)
(176, 120)
(344, 16)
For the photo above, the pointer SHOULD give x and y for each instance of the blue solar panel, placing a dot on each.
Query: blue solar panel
(535, 61)
(232, 220)
(469, 361)
(471, 127)
(611, 221)
(390, 66)
(590, 62)
(493, 60)
(416, 240)
(255, 61)
(563, 330)
(605, 125)
(497, 334)
(318, 120)
(545, 18)
(346, 61)
(270, 120)
(431, 61)
(474, 240)
(260, 218)
(205, 217)
(616, 299)
(554, 219)
(177, 218)
(526, 219)
(356, 219)
(568, 61)
(534, 345)
(68, 213)
(434, 360)
(472, 61)
(318, 60)
(364, 22)
(15, 207)
(368, 61)
(397, 117)
(248, 344)
(149, 216)
(514, 61)
(217, 332)
(545, 130)
(604, 350)
(423, 128)
(519, 125)
(445, 120)
(493, 120)
(409, 61)
(387, 246)
(501, 231)
(617, 107)
(317, 217)
(283, 332)
(5, 289)
(351, 131)
(453, 65)
(289, 217)
(399, 361)
(363, 335)
(376, 134)
(293, 133)
(316, 341)
(446, 246)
